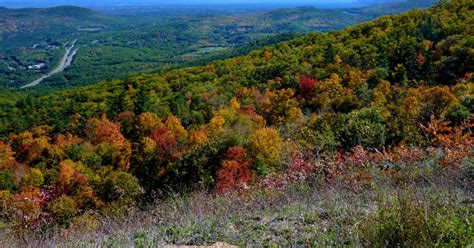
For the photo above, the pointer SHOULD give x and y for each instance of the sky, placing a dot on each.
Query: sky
(89, 3)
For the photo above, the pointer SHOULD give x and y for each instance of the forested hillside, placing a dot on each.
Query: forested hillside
(417, 50)
(142, 41)
(386, 101)
(43, 21)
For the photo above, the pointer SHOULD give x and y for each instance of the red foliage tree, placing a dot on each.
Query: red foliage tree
(307, 86)
(235, 172)
(166, 143)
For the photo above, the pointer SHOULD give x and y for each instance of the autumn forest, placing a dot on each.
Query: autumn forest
(381, 111)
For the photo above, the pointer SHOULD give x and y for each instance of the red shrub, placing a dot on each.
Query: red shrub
(455, 141)
(299, 168)
(359, 157)
(276, 181)
(404, 155)
(235, 172)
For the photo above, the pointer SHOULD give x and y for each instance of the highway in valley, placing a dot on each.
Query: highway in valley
(65, 62)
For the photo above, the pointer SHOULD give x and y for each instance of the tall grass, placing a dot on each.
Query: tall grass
(416, 205)
(303, 215)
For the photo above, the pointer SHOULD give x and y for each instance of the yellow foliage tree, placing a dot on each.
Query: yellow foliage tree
(234, 104)
(147, 122)
(275, 105)
(66, 173)
(173, 124)
(197, 137)
(6, 153)
(216, 124)
(266, 146)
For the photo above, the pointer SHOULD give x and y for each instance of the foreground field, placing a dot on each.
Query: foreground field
(422, 204)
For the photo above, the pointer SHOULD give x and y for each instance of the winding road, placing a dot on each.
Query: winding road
(63, 64)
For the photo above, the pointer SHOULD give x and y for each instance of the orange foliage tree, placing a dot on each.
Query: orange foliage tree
(235, 173)
(456, 141)
(109, 142)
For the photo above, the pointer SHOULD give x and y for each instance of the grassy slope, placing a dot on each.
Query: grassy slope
(426, 208)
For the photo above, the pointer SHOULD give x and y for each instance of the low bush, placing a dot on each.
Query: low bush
(411, 222)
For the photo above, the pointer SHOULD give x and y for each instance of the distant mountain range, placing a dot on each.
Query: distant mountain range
(29, 20)
(144, 39)
(64, 11)
(370, 2)
(101, 3)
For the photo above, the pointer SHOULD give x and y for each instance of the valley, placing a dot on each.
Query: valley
(63, 64)
(135, 42)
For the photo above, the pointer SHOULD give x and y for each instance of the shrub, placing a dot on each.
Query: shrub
(4, 196)
(64, 208)
(120, 186)
(235, 172)
(321, 136)
(408, 222)
(85, 223)
(364, 127)
(34, 177)
(470, 170)
(8, 181)
(456, 142)
(458, 113)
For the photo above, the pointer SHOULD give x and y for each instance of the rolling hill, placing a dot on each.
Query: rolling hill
(355, 137)
(48, 21)
(118, 46)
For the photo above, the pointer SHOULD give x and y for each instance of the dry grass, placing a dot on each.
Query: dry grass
(301, 215)
(315, 213)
